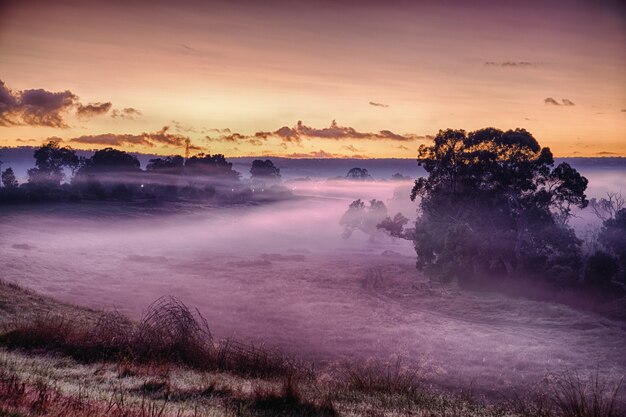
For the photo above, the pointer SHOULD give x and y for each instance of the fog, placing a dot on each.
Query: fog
(281, 274)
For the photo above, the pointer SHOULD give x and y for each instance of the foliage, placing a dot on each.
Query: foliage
(613, 237)
(8, 178)
(363, 218)
(170, 164)
(109, 160)
(211, 165)
(600, 269)
(50, 160)
(264, 170)
(493, 205)
(359, 174)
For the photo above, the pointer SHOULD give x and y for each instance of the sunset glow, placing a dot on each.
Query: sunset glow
(237, 77)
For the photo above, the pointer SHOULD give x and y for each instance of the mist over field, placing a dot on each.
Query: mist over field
(281, 274)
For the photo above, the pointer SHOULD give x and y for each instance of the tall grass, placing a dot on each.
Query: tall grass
(168, 332)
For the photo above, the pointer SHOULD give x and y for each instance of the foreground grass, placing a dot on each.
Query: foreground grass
(60, 360)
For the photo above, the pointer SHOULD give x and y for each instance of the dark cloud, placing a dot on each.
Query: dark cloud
(92, 109)
(334, 132)
(564, 102)
(623, 110)
(162, 137)
(112, 139)
(512, 64)
(321, 154)
(39, 107)
(606, 153)
(373, 103)
(34, 107)
(127, 113)
(300, 132)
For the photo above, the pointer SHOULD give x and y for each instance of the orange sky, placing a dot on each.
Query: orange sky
(390, 73)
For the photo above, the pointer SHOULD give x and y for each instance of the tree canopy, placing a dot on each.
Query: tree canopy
(493, 204)
(358, 174)
(50, 159)
(264, 170)
(211, 165)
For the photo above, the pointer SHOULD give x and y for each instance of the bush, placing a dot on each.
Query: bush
(600, 269)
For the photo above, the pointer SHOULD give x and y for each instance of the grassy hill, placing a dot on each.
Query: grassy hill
(59, 359)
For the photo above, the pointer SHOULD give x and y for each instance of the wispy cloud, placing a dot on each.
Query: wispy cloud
(564, 102)
(162, 137)
(375, 104)
(512, 64)
(92, 109)
(128, 113)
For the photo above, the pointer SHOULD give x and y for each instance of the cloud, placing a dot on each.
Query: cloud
(333, 132)
(564, 102)
(623, 110)
(127, 113)
(373, 103)
(221, 131)
(300, 132)
(512, 64)
(606, 153)
(230, 138)
(351, 148)
(321, 154)
(39, 107)
(162, 137)
(92, 109)
(34, 107)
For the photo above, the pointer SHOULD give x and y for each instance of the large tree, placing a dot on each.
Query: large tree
(493, 204)
(215, 166)
(109, 160)
(50, 160)
(264, 170)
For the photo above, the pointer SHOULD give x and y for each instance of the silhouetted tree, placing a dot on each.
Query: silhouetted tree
(212, 166)
(613, 238)
(363, 218)
(50, 160)
(169, 164)
(8, 178)
(399, 177)
(396, 227)
(358, 174)
(493, 205)
(109, 160)
(264, 170)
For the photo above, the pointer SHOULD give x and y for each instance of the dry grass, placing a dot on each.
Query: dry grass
(169, 332)
(168, 364)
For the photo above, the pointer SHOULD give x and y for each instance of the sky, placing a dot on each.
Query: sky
(318, 78)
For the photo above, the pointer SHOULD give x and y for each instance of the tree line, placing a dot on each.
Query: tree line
(60, 174)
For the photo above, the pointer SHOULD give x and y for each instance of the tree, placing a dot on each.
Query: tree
(264, 170)
(8, 178)
(109, 160)
(358, 174)
(211, 166)
(493, 205)
(363, 218)
(613, 237)
(169, 164)
(50, 160)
